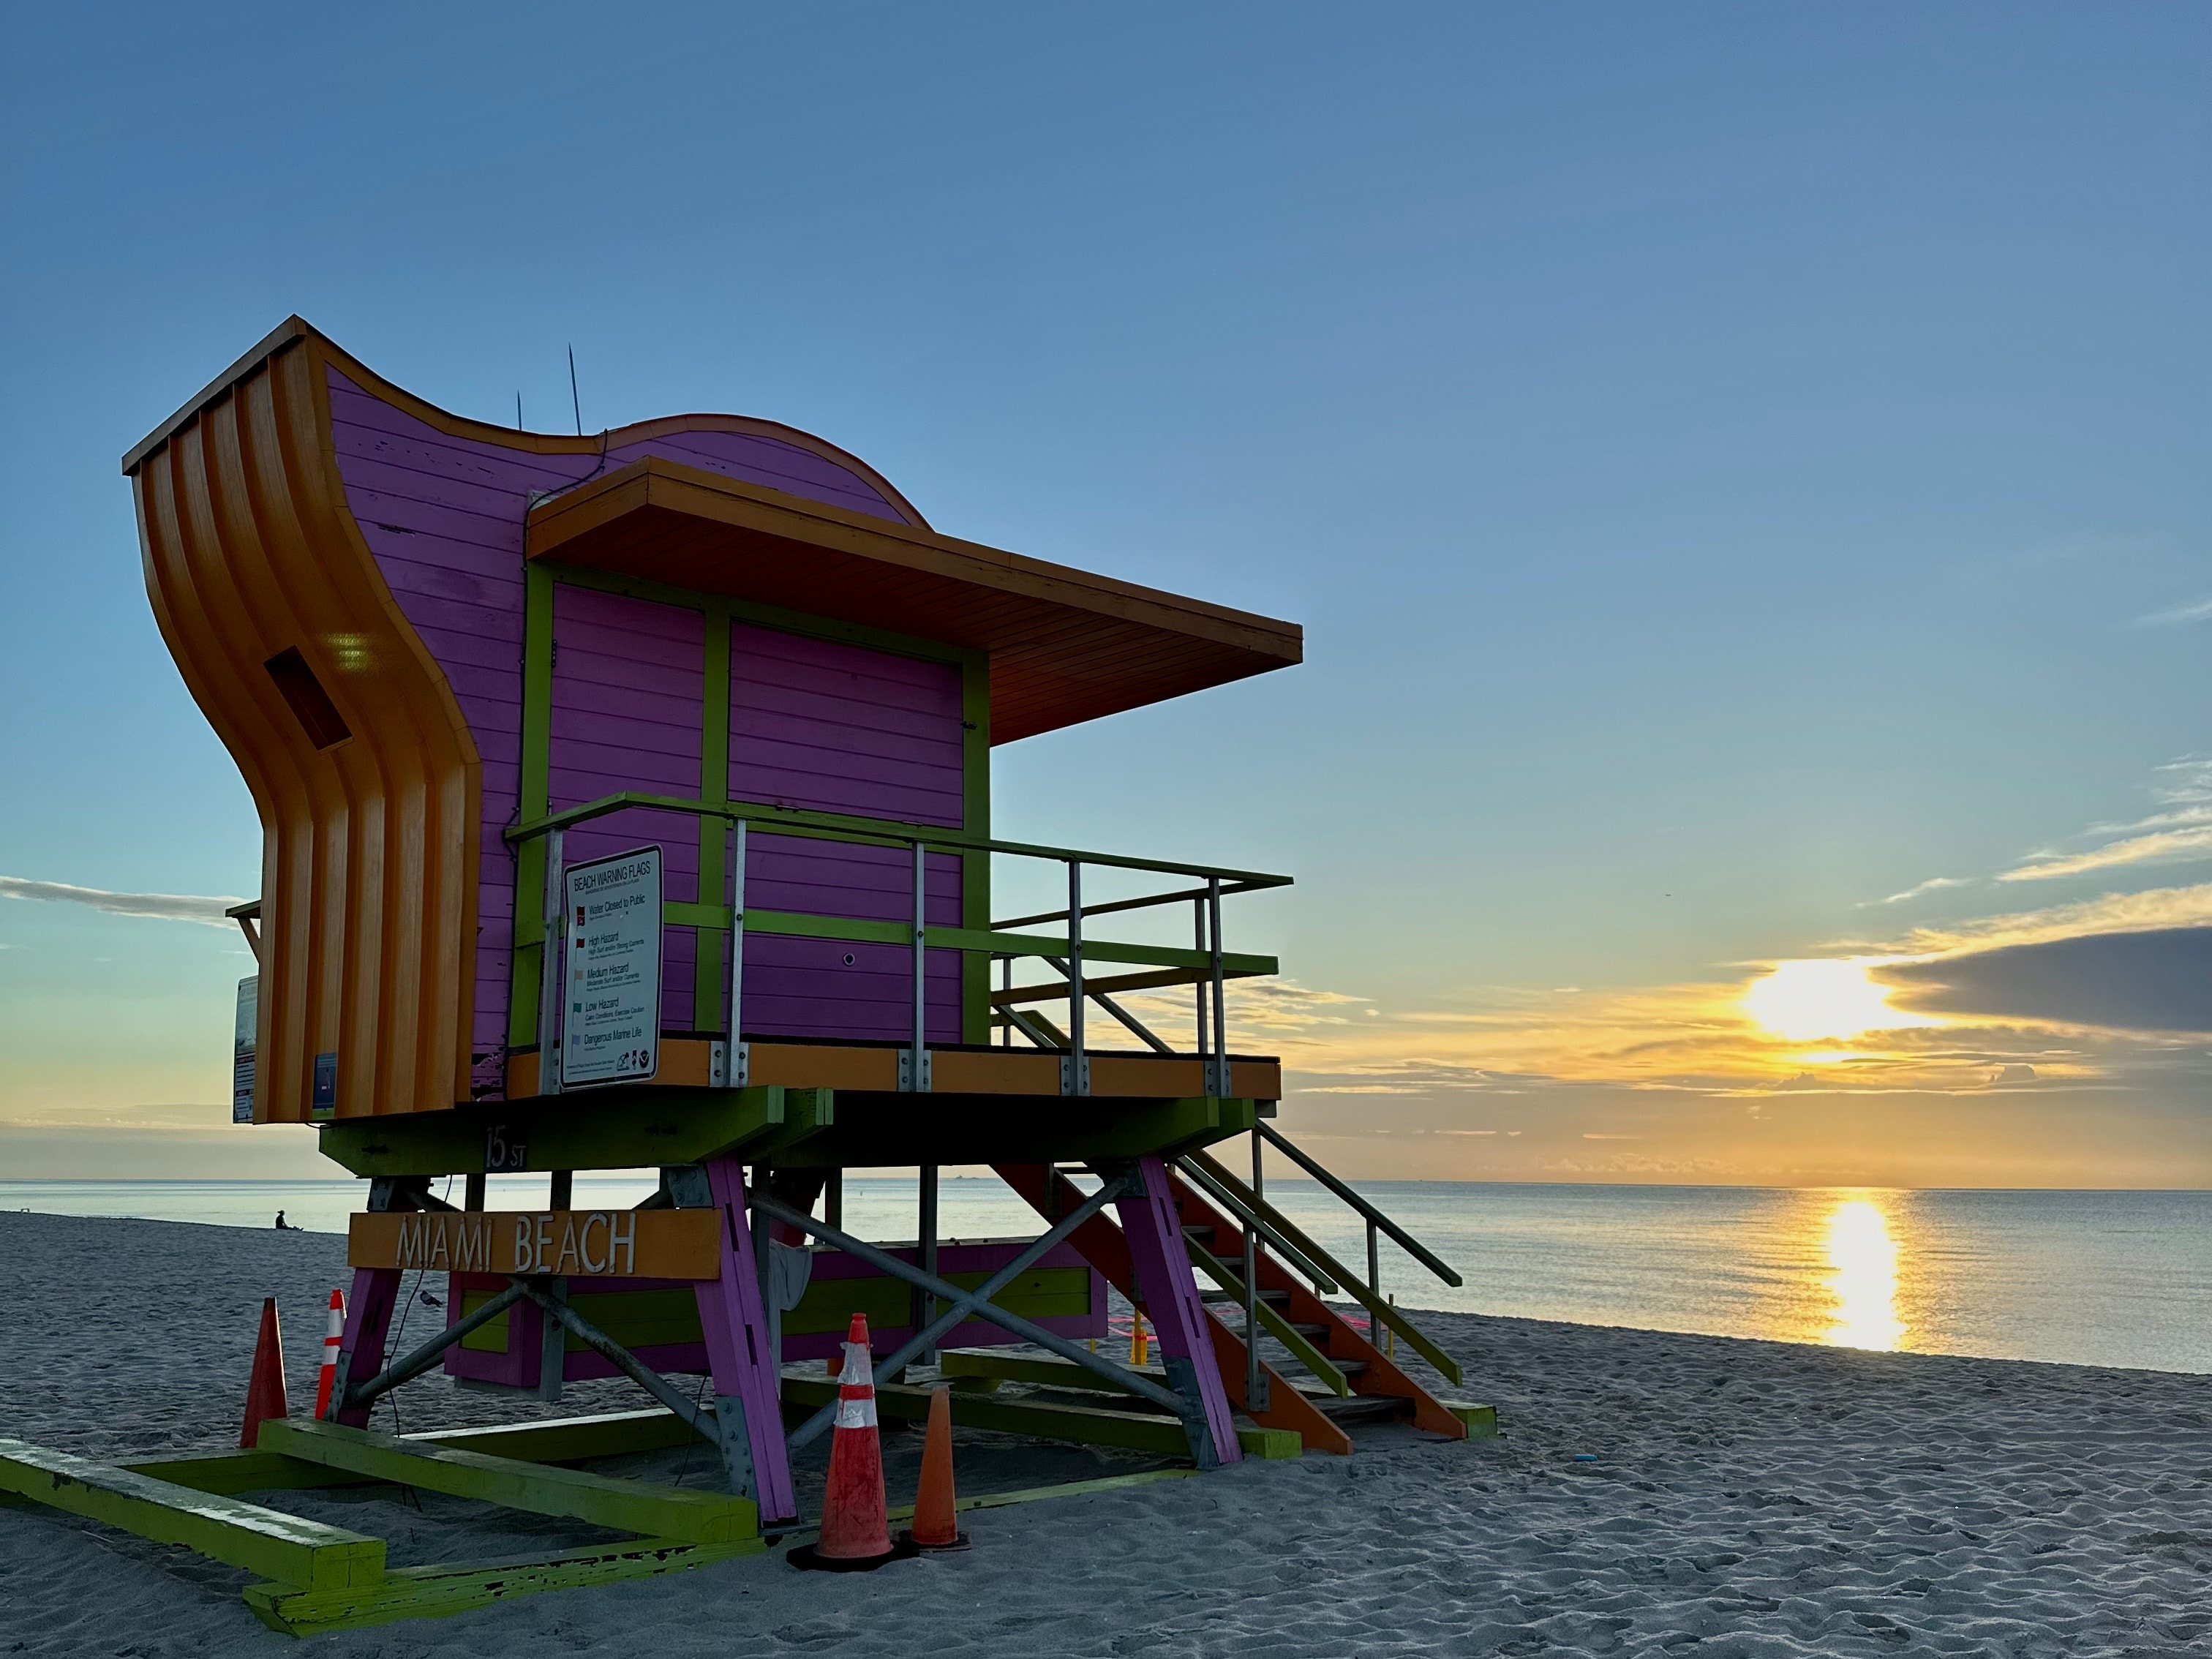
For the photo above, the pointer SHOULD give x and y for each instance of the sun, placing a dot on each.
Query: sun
(1800, 1001)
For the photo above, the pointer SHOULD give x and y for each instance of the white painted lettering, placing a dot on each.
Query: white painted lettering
(522, 1264)
(568, 1245)
(544, 1258)
(584, 1243)
(622, 1235)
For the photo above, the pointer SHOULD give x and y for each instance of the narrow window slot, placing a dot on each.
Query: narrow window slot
(317, 715)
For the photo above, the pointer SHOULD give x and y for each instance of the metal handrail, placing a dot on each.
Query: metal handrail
(733, 1066)
(1373, 1217)
(886, 832)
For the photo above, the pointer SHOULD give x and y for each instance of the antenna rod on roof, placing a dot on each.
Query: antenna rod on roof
(518, 411)
(573, 397)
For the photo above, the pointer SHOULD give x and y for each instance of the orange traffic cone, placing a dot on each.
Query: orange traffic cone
(264, 1394)
(855, 1534)
(333, 1339)
(935, 1527)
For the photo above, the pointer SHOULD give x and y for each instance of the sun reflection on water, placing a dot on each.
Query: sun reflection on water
(1862, 1278)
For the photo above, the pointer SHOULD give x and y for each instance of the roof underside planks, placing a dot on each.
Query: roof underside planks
(1065, 646)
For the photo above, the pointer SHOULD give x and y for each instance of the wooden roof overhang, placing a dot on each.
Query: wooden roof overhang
(1065, 646)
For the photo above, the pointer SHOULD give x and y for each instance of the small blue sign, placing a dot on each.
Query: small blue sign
(325, 1102)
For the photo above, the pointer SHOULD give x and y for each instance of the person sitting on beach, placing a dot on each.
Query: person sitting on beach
(282, 1225)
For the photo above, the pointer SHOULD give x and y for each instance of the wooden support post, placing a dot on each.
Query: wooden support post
(1167, 1295)
(733, 1320)
(361, 1351)
(473, 1197)
(563, 1194)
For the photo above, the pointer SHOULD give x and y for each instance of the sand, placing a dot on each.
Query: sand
(1745, 1498)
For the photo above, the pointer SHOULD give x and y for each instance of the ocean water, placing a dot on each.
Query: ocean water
(2086, 1278)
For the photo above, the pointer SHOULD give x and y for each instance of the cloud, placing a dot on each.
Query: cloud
(2162, 846)
(1934, 883)
(2179, 616)
(167, 907)
(2157, 980)
(2182, 832)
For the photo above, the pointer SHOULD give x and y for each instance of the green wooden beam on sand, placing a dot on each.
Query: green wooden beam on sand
(555, 1440)
(659, 1512)
(306, 1553)
(435, 1592)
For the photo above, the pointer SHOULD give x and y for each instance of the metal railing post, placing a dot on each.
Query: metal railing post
(1374, 1261)
(1218, 1085)
(737, 1067)
(917, 1067)
(1198, 990)
(550, 968)
(1078, 1064)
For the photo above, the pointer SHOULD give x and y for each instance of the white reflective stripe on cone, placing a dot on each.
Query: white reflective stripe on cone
(859, 1366)
(856, 1413)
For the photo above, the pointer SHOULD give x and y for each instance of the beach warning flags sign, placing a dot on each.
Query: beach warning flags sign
(264, 1393)
(333, 1339)
(855, 1534)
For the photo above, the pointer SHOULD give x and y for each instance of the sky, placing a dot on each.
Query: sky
(1742, 470)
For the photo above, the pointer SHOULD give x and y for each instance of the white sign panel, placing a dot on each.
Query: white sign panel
(611, 1030)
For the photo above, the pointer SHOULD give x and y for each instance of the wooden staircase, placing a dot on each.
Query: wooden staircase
(1353, 1379)
(1342, 1357)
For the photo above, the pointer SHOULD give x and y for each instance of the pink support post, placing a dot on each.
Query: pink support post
(367, 1325)
(748, 1372)
(1169, 1297)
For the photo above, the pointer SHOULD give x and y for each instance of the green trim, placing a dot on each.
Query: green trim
(238, 1534)
(620, 1127)
(974, 864)
(536, 740)
(792, 924)
(435, 1592)
(714, 833)
(697, 1518)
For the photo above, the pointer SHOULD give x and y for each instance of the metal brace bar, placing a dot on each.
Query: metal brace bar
(423, 1357)
(701, 1423)
(964, 1302)
(1115, 1009)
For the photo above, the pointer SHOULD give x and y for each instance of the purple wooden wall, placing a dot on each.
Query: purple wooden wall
(830, 727)
(443, 517)
(629, 682)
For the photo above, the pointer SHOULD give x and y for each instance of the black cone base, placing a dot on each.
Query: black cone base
(806, 1556)
(959, 1542)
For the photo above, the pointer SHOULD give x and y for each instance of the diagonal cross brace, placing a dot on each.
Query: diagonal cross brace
(963, 1303)
(421, 1360)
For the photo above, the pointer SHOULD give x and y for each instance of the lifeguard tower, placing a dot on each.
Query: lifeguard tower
(626, 804)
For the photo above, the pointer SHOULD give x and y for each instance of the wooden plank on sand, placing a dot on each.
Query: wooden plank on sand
(240, 1534)
(663, 1512)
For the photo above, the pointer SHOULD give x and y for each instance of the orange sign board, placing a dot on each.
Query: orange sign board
(584, 1243)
